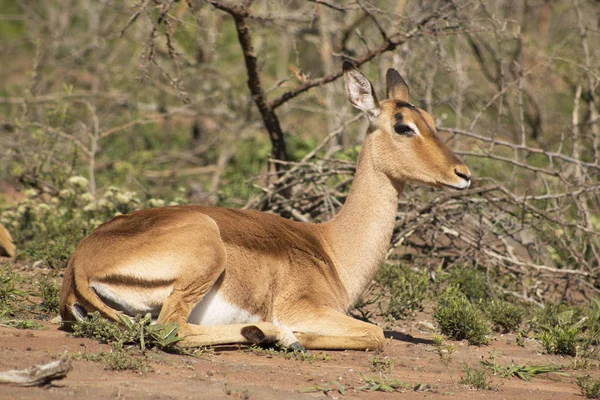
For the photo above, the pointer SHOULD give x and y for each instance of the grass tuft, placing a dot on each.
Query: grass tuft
(49, 292)
(589, 387)
(477, 378)
(117, 360)
(139, 332)
(407, 290)
(470, 282)
(381, 365)
(505, 317)
(459, 319)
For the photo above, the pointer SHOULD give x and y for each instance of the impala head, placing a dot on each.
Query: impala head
(405, 145)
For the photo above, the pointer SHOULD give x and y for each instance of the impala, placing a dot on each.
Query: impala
(7, 248)
(240, 276)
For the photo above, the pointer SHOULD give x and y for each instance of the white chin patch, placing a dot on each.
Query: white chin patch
(463, 184)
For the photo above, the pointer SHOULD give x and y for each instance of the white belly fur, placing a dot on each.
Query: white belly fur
(214, 310)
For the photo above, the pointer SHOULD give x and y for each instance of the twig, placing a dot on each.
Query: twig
(38, 375)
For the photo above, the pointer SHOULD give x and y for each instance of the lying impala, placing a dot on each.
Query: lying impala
(239, 276)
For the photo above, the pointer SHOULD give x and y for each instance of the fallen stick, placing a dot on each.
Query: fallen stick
(38, 375)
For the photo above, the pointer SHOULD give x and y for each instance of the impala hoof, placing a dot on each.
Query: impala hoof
(296, 346)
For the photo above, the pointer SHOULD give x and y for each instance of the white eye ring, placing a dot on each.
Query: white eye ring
(414, 128)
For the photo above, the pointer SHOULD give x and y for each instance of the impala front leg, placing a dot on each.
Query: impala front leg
(327, 329)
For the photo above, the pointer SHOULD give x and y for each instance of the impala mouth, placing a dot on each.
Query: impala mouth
(463, 185)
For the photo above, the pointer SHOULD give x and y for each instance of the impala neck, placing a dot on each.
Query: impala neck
(360, 234)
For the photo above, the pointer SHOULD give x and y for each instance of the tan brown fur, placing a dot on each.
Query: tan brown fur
(297, 279)
(7, 248)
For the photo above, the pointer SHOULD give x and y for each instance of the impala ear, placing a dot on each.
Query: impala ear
(360, 91)
(397, 89)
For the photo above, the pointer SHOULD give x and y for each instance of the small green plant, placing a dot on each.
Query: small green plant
(593, 323)
(565, 337)
(476, 378)
(118, 360)
(589, 387)
(14, 302)
(139, 332)
(561, 340)
(505, 316)
(469, 281)
(22, 324)
(407, 290)
(524, 372)
(49, 292)
(288, 355)
(8, 287)
(460, 319)
(383, 385)
(443, 350)
(381, 365)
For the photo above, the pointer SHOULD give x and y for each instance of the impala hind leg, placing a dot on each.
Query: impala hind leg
(328, 329)
(198, 272)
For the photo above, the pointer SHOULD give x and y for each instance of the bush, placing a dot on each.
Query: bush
(476, 378)
(589, 387)
(566, 330)
(469, 281)
(460, 319)
(50, 230)
(505, 316)
(49, 292)
(408, 290)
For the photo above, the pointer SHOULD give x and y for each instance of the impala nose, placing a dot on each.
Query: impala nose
(465, 174)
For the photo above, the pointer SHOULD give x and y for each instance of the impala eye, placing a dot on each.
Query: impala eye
(402, 129)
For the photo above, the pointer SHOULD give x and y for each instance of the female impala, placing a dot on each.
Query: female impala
(238, 276)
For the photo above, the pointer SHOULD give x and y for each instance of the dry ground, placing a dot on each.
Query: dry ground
(237, 373)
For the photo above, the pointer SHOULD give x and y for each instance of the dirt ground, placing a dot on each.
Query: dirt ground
(237, 373)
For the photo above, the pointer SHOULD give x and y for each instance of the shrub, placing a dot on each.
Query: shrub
(505, 316)
(50, 230)
(49, 292)
(476, 378)
(589, 387)
(460, 319)
(469, 281)
(565, 337)
(408, 290)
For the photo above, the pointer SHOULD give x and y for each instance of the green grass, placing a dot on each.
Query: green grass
(49, 292)
(140, 333)
(505, 317)
(443, 350)
(117, 360)
(589, 387)
(524, 372)
(288, 355)
(470, 281)
(14, 301)
(477, 378)
(381, 365)
(460, 319)
(407, 290)
(561, 330)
